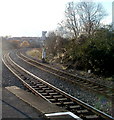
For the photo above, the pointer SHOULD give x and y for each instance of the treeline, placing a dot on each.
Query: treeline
(84, 43)
(8, 44)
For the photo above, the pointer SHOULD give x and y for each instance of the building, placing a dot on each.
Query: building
(113, 14)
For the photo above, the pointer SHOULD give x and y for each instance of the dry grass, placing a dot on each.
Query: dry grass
(24, 44)
(35, 53)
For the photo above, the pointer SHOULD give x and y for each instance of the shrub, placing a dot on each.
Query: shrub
(95, 53)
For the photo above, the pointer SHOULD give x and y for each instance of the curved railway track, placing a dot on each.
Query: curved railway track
(53, 94)
(85, 83)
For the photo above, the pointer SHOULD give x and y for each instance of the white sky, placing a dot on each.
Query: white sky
(31, 17)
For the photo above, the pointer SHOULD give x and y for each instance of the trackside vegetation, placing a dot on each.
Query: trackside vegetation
(82, 41)
(95, 53)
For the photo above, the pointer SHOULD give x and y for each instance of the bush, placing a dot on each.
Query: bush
(95, 53)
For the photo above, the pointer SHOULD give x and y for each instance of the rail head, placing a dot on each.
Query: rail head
(62, 92)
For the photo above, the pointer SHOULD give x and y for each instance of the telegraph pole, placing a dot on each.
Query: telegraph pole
(43, 46)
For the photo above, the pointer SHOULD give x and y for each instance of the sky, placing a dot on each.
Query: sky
(31, 17)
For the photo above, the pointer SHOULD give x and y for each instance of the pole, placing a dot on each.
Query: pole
(43, 46)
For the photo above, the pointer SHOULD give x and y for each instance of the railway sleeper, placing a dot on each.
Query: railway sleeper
(93, 117)
(68, 103)
(62, 99)
(48, 96)
(44, 94)
(94, 87)
(35, 86)
(23, 77)
(109, 91)
(42, 86)
(86, 112)
(90, 85)
(58, 96)
(54, 93)
(27, 75)
(85, 83)
(32, 83)
(83, 111)
(58, 104)
(71, 107)
(37, 89)
(52, 100)
(46, 88)
(74, 106)
(41, 91)
(77, 80)
(50, 90)
(39, 84)
(101, 89)
(110, 94)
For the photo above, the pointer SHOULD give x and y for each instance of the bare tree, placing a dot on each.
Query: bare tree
(72, 22)
(55, 43)
(90, 14)
(50, 42)
(82, 17)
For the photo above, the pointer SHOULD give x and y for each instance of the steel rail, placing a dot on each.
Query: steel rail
(96, 87)
(53, 94)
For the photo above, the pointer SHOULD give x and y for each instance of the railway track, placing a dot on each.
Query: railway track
(53, 94)
(85, 83)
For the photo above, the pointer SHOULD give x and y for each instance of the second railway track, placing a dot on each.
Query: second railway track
(85, 83)
(53, 94)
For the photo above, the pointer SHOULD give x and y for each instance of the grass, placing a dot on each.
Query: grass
(104, 104)
(110, 78)
(35, 53)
